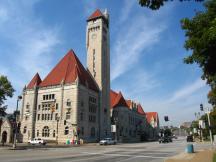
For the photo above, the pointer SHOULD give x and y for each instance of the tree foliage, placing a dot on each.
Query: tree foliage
(201, 40)
(156, 4)
(6, 90)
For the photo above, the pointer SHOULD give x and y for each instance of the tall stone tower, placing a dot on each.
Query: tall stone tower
(98, 63)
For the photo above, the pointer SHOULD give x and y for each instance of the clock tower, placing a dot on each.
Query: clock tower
(98, 64)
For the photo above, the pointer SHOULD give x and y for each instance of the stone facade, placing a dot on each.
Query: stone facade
(71, 105)
(132, 123)
(72, 102)
(98, 63)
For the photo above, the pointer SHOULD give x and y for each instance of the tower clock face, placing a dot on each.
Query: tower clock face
(94, 36)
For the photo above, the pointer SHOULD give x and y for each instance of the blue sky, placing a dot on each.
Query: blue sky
(146, 49)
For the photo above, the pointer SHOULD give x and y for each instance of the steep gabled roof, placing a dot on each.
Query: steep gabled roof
(36, 80)
(113, 96)
(150, 115)
(95, 15)
(117, 99)
(140, 109)
(68, 70)
(129, 103)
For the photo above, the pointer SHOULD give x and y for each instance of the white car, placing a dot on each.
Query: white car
(107, 141)
(37, 141)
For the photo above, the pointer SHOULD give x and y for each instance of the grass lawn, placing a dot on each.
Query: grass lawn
(214, 158)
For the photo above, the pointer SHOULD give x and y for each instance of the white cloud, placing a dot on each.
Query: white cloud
(125, 12)
(141, 83)
(136, 36)
(28, 41)
(188, 90)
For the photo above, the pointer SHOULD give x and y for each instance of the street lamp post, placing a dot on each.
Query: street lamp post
(208, 111)
(57, 120)
(15, 115)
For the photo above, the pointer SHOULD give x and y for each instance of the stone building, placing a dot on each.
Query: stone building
(131, 121)
(7, 128)
(72, 102)
(153, 121)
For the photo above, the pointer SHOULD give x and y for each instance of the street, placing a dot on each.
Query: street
(136, 152)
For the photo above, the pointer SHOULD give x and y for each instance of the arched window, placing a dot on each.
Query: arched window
(37, 133)
(66, 130)
(92, 132)
(25, 129)
(53, 133)
(45, 131)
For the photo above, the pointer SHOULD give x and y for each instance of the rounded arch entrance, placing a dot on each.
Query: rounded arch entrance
(4, 137)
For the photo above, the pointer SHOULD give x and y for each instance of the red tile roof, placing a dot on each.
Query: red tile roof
(129, 103)
(117, 99)
(67, 71)
(140, 109)
(36, 80)
(150, 115)
(95, 15)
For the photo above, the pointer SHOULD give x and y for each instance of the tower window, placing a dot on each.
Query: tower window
(94, 63)
(68, 115)
(68, 102)
(25, 129)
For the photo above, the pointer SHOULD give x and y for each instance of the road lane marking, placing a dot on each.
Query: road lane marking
(126, 159)
(156, 157)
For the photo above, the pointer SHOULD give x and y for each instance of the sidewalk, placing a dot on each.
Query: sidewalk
(24, 146)
(199, 156)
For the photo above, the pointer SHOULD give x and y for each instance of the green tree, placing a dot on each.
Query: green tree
(201, 40)
(6, 90)
(156, 4)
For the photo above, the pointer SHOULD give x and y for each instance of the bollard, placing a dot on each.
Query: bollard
(190, 148)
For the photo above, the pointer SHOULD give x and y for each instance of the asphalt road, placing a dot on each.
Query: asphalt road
(136, 152)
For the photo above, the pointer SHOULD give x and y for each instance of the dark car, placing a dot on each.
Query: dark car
(190, 138)
(165, 139)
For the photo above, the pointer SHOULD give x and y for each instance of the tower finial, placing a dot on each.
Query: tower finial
(106, 13)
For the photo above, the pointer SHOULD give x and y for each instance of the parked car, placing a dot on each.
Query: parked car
(37, 141)
(189, 138)
(107, 141)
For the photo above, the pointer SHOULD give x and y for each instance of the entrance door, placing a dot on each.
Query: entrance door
(4, 137)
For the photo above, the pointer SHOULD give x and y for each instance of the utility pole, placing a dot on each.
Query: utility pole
(15, 115)
(208, 111)
(210, 132)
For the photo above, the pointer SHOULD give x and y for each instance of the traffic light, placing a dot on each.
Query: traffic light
(65, 122)
(166, 118)
(201, 107)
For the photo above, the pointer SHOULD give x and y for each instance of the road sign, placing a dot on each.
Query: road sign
(113, 128)
(201, 124)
